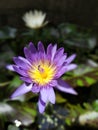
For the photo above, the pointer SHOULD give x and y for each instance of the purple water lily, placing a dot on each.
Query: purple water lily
(41, 71)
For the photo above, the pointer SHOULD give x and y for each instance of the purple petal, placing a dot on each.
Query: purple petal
(35, 88)
(41, 47)
(28, 54)
(20, 71)
(71, 67)
(42, 56)
(47, 94)
(21, 90)
(25, 60)
(51, 95)
(41, 106)
(49, 48)
(70, 59)
(63, 86)
(32, 48)
(65, 69)
(60, 60)
(10, 67)
(61, 71)
(26, 79)
(53, 52)
(44, 94)
(21, 63)
(53, 83)
(59, 52)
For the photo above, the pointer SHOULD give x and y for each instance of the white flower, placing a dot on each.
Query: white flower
(35, 19)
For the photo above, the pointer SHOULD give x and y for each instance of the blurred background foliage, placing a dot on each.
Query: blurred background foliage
(69, 112)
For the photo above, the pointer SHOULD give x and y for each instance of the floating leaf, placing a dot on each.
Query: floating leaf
(84, 79)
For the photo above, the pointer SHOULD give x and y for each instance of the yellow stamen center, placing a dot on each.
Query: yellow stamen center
(42, 73)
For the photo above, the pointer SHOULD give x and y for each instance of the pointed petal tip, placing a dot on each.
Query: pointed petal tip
(23, 89)
(65, 87)
(74, 92)
(41, 106)
(71, 67)
(25, 48)
(14, 58)
(10, 67)
(41, 47)
(12, 97)
(41, 111)
(30, 42)
(73, 56)
(40, 43)
(70, 58)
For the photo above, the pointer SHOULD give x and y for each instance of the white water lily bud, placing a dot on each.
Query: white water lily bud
(35, 19)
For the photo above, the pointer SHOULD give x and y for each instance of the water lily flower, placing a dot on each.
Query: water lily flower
(35, 19)
(41, 71)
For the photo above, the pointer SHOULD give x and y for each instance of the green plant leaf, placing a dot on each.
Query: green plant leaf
(90, 80)
(60, 99)
(80, 82)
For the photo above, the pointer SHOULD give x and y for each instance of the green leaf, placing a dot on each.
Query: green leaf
(85, 79)
(15, 82)
(87, 106)
(31, 111)
(80, 82)
(89, 80)
(95, 105)
(68, 121)
(60, 99)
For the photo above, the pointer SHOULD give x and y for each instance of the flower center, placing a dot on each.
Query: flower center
(42, 73)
